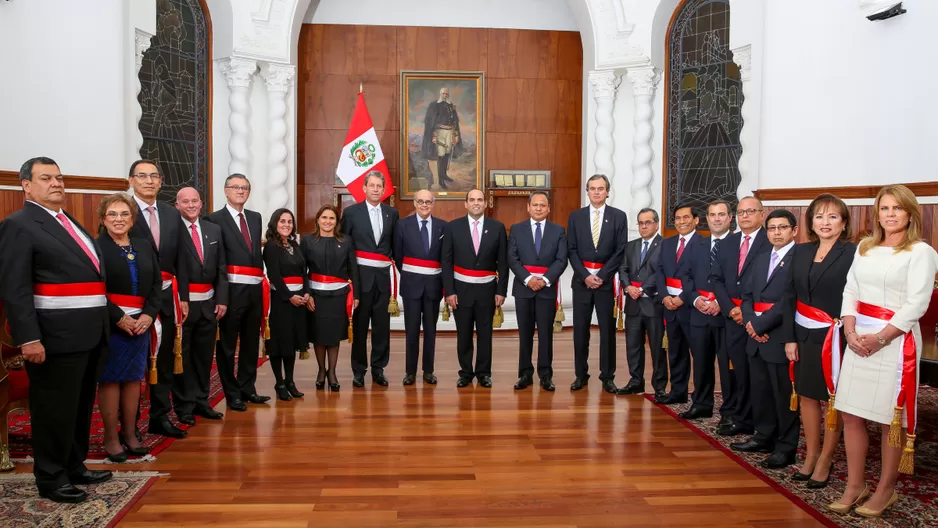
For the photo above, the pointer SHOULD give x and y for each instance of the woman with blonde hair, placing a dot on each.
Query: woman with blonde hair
(888, 290)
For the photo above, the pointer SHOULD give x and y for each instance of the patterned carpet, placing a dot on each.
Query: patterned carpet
(918, 502)
(21, 506)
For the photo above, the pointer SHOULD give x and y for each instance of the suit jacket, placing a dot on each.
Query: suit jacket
(521, 252)
(237, 253)
(696, 278)
(613, 236)
(764, 289)
(213, 271)
(149, 283)
(727, 283)
(407, 243)
(493, 256)
(356, 224)
(670, 268)
(634, 269)
(171, 233)
(817, 284)
(36, 249)
(342, 263)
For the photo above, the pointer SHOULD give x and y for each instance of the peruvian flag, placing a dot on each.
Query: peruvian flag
(362, 154)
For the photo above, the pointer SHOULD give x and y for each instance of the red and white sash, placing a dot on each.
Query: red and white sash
(707, 295)
(133, 305)
(760, 308)
(675, 287)
(420, 266)
(293, 283)
(813, 319)
(245, 275)
(539, 271)
(200, 292)
(320, 282)
(593, 267)
(471, 276)
(372, 260)
(69, 296)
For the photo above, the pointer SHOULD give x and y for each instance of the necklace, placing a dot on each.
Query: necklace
(128, 251)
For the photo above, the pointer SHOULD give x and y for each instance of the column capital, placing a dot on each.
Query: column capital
(644, 80)
(742, 56)
(141, 44)
(279, 77)
(604, 83)
(238, 71)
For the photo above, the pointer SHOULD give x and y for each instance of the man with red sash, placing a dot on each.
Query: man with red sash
(596, 239)
(52, 286)
(371, 226)
(475, 281)
(160, 223)
(672, 263)
(764, 307)
(204, 263)
(241, 238)
(537, 254)
(418, 248)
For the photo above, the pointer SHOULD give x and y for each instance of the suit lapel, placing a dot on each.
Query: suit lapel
(385, 221)
(54, 227)
(831, 257)
(753, 247)
(237, 229)
(191, 245)
(786, 261)
(605, 228)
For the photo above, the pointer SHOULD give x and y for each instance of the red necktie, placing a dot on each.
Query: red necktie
(680, 249)
(71, 231)
(743, 252)
(244, 229)
(197, 243)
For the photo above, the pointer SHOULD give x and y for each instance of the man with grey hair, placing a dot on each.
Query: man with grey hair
(441, 137)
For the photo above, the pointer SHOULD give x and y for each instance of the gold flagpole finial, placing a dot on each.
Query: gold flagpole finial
(360, 88)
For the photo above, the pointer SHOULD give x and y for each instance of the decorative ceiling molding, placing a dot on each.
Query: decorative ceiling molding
(268, 37)
(611, 32)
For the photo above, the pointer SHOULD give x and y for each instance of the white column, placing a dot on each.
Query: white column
(749, 133)
(643, 93)
(279, 79)
(238, 73)
(604, 84)
(141, 44)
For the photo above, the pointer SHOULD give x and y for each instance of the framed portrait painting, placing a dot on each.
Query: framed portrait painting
(442, 133)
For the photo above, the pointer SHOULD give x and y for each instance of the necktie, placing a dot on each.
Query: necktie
(71, 231)
(244, 229)
(713, 252)
(680, 249)
(596, 229)
(537, 238)
(475, 236)
(376, 224)
(772, 262)
(154, 225)
(425, 236)
(644, 250)
(197, 243)
(743, 252)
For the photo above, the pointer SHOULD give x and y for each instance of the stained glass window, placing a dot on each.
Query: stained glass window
(703, 109)
(174, 97)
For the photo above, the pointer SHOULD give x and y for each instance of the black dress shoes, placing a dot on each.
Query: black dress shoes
(696, 413)
(632, 387)
(119, 458)
(237, 405)
(133, 451)
(579, 383)
(91, 476)
(672, 399)
(751, 446)
(358, 380)
(162, 426)
(820, 484)
(380, 379)
(547, 384)
(429, 378)
(282, 393)
(410, 379)
(778, 460)
(610, 386)
(660, 396)
(463, 382)
(524, 382)
(255, 398)
(485, 381)
(208, 412)
(294, 391)
(725, 420)
(734, 429)
(186, 418)
(67, 493)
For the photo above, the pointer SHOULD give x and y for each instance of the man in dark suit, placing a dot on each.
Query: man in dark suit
(596, 239)
(52, 287)
(161, 225)
(241, 239)
(475, 281)
(764, 305)
(644, 315)
(418, 247)
(729, 274)
(371, 225)
(672, 263)
(204, 262)
(537, 254)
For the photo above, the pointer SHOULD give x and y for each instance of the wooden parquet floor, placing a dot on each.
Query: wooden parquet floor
(440, 456)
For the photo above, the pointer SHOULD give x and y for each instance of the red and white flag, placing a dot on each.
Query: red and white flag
(362, 154)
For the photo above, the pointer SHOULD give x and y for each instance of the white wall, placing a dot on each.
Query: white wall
(517, 14)
(847, 101)
(62, 93)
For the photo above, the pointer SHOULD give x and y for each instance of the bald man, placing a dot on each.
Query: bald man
(417, 246)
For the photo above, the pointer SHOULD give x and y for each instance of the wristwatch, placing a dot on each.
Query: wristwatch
(880, 340)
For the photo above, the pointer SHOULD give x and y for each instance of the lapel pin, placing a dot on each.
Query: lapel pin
(485, 231)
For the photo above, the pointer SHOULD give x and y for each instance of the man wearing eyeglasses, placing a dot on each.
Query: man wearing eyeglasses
(732, 268)
(241, 238)
(418, 242)
(161, 224)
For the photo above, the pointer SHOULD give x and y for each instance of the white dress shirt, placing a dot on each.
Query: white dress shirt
(143, 206)
(234, 216)
(534, 230)
(686, 239)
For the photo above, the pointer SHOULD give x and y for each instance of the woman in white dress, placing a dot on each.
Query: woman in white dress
(888, 289)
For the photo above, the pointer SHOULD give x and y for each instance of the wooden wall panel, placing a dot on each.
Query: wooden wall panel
(862, 218)
(82, 206)
(533, 79)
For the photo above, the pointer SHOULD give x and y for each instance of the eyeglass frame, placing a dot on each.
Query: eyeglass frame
(243, 188)
(778, 227)
(747, 212)
(153, 176)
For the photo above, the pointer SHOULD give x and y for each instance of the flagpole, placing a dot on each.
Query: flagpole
(360, 88)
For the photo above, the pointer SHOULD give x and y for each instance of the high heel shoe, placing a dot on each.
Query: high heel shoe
(282, 393)
(334, 387)
(291, 388)
(119, 458)
(321, 384)
(134, 451)
(821, 484)
(798, 476)
(842, 508)
(866, 512)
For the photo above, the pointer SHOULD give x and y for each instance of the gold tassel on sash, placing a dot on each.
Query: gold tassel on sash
(793, 399)
(445, 313)
(832, 416)
(499, 318)
(393, 308)
(907, 461)
(664, 341)
(177, 351)
(620, 325)
(558, 327)
(262, 346)
(895, 429)
(615, 310)
(560, 316)
(154, 378)
(266, 328)
(731, 365)
(217, 332)
(350, 330)
(304, 354)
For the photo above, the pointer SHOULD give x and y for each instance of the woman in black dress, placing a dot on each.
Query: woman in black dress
(816, 287)
(133, 288)
(286, 271)
(333, 276)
